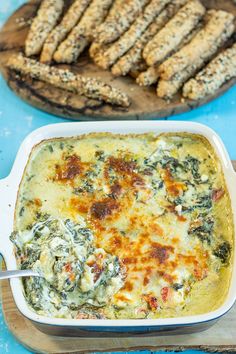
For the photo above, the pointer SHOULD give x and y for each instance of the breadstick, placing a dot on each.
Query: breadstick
(67, 80)
(168, 88)
(168, 38)
(134, 55)
(203, 45)
(96, 48)
(60, 32)
(221, 69)
(70, 49)
(137, 69)
(99, 48)
(116, 24)
(128, 39)
(151, 75)
(148, 77)
(45, 20)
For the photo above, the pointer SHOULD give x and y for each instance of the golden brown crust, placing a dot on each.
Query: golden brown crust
(168, 88)
(95, 48)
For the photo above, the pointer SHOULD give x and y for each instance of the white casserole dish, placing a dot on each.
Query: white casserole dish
(75, 327)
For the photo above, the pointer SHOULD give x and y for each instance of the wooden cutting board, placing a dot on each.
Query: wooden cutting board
(145, 103)
(219, 338)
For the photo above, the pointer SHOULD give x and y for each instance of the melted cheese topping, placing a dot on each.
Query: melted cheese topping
(157, 203)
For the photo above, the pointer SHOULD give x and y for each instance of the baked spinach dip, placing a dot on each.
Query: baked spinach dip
(124, 226)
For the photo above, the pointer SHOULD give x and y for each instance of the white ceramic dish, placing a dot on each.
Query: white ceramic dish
(8, 194)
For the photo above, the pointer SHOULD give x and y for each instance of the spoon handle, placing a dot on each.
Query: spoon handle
(17, 273)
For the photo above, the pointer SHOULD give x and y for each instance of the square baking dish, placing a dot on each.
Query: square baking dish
(103, 327)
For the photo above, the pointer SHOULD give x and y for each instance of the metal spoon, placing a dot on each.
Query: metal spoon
(19, 273)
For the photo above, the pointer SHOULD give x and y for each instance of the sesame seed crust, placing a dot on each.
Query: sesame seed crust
(116, 24)
(128, 39)
(172, 34)
(148, 77)
(217, 30)
(168, 88)
(221, 69)
(60, 32)
(151, 75)
(134, 55)
(45, 20)
(67, 80)
(96, 48)
(81, 35)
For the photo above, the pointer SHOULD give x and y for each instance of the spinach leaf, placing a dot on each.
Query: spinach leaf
(223, 252)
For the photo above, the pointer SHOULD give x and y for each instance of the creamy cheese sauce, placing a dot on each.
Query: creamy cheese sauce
(124, 226)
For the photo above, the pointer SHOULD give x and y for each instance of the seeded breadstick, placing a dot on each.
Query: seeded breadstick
(137, 69)
(127, 40)
(45, 20)
(167, 88)
(67, 80)
(117, 5)
(60, 32)
(80, 36)
(99, 48)
(148, 77)
(151, 75)
(168, 38)
(216, 73)
(152, 44)
(203, 45)
(134, 55)
(116, 24)
(95, 48)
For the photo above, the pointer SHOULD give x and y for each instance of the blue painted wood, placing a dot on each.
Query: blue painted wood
(17, 119)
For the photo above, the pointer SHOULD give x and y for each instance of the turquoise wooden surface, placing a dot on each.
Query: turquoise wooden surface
(17, 119)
